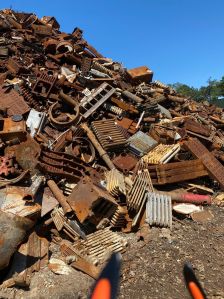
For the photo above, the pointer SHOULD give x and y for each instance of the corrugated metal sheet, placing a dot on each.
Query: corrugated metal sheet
(159, 210)
(141, 143)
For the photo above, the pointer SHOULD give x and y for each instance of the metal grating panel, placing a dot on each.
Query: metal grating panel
(115, 182)
(161, 154)
(90, 103)
(136, 195)
(214, 167)
(159, 210)
(101, 244)
(119, 218)
(141, 143)
(108, 134)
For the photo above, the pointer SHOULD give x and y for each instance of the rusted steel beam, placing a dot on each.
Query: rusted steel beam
(213, 166)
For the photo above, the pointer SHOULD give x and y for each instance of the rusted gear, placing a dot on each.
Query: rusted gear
(6, 165)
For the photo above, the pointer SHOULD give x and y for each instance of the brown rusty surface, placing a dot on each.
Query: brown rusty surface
(13, 66)
(108, 134)
(142, 73)
(128, 124)
(42, 29)
(195, 127)
(91, 202)
(213, 166)
(11, 129)
(125, 162)
(13, 102)
(177, 172)
(26, 153)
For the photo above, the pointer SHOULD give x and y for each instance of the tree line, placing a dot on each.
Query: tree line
(213, 92)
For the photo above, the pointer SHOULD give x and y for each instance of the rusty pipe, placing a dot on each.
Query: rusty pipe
(132, 96)
(186, 197)
(59, 196)
(68, 100)
(176, 99)
(216, 119)
(97, 145)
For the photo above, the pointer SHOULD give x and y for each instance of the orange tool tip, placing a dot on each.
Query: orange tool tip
(102, 290)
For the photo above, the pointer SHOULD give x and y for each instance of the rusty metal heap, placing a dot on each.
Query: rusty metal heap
(90, 150)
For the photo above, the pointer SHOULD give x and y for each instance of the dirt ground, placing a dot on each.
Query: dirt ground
(152, 268)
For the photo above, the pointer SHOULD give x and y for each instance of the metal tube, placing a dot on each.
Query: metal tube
(132, 96)
(186, 197)
(69, 100)
(97, 145)
(59, 196)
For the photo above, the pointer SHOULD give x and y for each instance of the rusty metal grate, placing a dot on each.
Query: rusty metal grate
(12, 102)
(136, 195)
(119, 218)
(161, 154)
(101, 244)
(115, 182)
(91, 103)
(44, 84)
(141, 143)
(108, 134)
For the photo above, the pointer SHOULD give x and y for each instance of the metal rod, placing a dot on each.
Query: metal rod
(59, 196)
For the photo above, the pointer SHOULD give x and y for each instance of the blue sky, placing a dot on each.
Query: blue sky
(180, 40)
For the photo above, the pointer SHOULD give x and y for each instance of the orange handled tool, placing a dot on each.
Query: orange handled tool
(193, 285)
(106, 286)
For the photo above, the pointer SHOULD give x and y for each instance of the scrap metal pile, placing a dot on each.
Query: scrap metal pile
(91, 150)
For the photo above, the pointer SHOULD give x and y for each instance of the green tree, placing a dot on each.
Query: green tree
(212, 92)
